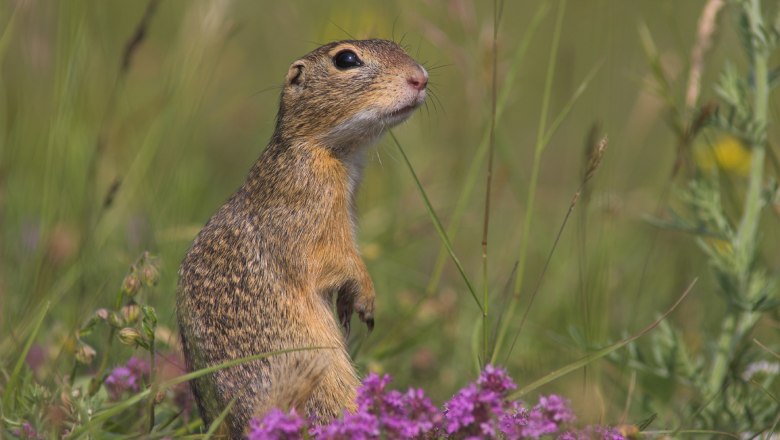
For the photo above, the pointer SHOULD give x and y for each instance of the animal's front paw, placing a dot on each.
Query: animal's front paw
(364, 306)
(353, 297)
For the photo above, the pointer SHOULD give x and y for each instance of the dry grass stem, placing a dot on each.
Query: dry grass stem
(704, 34)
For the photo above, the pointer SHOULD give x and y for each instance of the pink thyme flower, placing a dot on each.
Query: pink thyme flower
(277, 425)
(128, 377)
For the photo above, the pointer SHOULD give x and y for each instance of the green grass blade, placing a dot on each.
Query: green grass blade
(569, 105)
(10, 27)
(547, 378)
(477, 162)
(529, 205)
(765, 348)
(11, 386)
(218, 421)
(437, 224)
(479, 157)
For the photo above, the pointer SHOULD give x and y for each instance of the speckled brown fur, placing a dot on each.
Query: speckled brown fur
(262, 274)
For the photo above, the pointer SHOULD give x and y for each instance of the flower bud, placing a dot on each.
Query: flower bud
(85, 353)
(130, 312)
(150, 315)
(116, 321)
(102, 314)
(131, 284)
(149, 274)
(130, 336)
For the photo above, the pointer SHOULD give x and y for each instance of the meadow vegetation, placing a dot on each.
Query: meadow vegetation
(589, 200)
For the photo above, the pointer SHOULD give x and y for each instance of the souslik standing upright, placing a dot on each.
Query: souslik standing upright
(262, 273)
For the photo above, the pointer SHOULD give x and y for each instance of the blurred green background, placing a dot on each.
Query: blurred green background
(99, 163)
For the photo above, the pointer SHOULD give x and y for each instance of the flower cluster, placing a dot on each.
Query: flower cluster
(27, 432)
(547, 416)
(277, 425)
(476, 410)
(128, 377)
(384, 412)
(481, 410)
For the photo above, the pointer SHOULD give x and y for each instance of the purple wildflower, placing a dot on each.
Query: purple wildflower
(27, 432)
(478, 411)
(370, 393)
(512, 421)
(276, 425)
(548, 416)
(399, 415)
(358, 426)
(595, 433)
(36, 357)
(608, 433)
(459, 411)
(139, 367)
(422, 416)
(128, 377)
(496, 380)
(120, 380)
(556, 408)
(475, 409)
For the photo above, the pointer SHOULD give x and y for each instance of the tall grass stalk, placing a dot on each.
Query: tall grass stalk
(594, 162)
(437, 224)
(489, 178)
(470, 181)
(477, 161)
(538, 150)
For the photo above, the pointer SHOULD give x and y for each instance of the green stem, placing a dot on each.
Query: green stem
(97, 379)
(476, 163)
(746, 234)
(153, 385)
(738, 323)
(437, 223)
(722, 354)
(486, 221)
(529, 205)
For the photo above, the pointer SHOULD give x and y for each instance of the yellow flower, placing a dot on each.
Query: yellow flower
(727, 153)
(722, 247)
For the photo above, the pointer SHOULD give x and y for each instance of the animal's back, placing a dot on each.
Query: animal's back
(240, 299)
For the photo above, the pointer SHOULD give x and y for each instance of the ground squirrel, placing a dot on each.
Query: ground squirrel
(262, 274)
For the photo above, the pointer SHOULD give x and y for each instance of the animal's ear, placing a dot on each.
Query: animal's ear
(297, 74)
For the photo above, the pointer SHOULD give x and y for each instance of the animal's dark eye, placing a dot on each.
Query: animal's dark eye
(346, 59)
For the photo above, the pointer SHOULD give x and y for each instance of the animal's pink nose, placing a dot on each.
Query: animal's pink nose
(419, 79)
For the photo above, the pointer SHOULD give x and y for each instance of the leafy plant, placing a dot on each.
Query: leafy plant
(721, 205)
